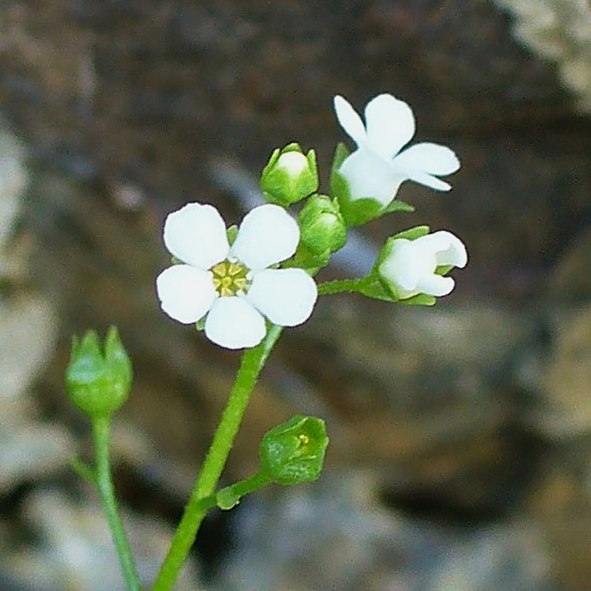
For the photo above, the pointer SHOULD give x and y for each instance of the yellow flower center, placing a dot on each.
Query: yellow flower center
(229, 278)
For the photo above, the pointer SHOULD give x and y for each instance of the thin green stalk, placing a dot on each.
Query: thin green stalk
(344, 285)
(252, 363)
(230, 496)
(101, 428)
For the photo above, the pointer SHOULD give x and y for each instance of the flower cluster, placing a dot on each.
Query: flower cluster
(231, 284)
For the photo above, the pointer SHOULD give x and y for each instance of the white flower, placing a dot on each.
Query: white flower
(378, 166)
(233, 285)
(409, 266)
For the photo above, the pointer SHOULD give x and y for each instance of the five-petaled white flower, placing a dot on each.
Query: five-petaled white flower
(378, 166)
(233, 285)
(409, 266)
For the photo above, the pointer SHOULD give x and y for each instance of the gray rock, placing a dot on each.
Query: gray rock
(336, 534)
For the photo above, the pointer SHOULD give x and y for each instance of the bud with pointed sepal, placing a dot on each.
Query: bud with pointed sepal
(294, 451)
(99, 381)
(322, 231)
(289, 176)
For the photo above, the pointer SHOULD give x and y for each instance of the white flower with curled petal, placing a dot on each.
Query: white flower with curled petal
(233, 286)
(379, 165)
(409, 266)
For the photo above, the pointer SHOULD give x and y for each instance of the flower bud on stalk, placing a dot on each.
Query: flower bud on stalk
(99, 381)
(322, 231)
(290, 176)
(294, 451)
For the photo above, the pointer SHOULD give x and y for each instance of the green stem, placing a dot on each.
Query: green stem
(344, 285)
(252, 363)
(230, 496)
(101, 428)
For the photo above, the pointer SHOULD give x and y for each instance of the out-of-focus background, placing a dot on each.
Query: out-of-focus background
(460, 456)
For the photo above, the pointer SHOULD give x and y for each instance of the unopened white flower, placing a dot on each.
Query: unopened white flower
(233, 286)
(293, 162)
(409, 266)
(379, 165)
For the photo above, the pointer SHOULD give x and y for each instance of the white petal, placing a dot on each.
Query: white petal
(267, 235)
(285, 296)
(429, 181)
(402, 266)
(435, 285)
(450, 250)
(429, 158)
(196, 234)
(293, 163)
(233, 323)
(349, 120)
(368, 175)
(390, 125)
(185, 293)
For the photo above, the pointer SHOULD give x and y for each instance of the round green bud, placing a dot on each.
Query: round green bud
(98, 381)
(294, 451)
(289, 176)
(322, 231)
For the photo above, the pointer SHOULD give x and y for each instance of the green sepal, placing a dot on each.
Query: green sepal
(98, 382)
(294, 451)
(411, 234)
(200, 324)
(396, 206)
(232, 233)
(340, 155)
(421, 299)
(308, 260)
(376, 290)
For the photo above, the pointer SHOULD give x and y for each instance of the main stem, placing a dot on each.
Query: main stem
(101, 428)
(252, 363)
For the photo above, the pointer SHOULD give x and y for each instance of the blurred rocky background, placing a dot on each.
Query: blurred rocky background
(461, 435)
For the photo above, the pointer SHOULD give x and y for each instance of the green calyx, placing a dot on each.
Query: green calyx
(322, 231)
(98, 381)
(294, 451)
(289, 176)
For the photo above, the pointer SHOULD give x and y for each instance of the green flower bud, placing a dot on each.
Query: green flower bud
(98, 383)
(293, 452)
(290, 176)
(322, 231)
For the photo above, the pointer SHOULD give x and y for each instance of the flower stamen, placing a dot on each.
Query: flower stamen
(303, 439)
(229, 278)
